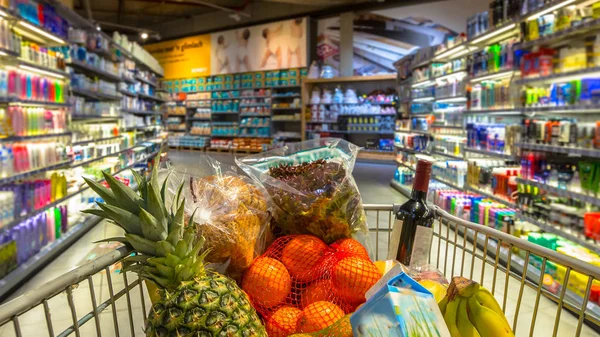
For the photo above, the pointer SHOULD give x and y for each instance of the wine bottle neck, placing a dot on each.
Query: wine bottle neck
(418, 195)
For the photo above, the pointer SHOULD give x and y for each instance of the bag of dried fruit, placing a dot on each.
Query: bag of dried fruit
(229, 209)
(312, 188)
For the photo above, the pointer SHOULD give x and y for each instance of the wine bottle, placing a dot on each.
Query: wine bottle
(413, 228)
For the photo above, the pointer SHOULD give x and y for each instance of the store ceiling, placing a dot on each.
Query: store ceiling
(174, 18)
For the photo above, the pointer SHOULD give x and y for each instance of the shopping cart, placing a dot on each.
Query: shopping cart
(96, 300)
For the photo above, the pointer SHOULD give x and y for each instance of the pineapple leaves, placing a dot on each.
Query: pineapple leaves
(103, 192)
(127, 198)
(115, 239)
(181, 249)
(164, 188)
(141, 244)
(96, 212)
(157, 208)
(124, 219)
(176, 229)
(166, 271)
(163, 248)
(151, 227)
(139, 179)
(178, 195)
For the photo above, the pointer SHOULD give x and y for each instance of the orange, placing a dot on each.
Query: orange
(318, 315)
(350, 247)
(283, 322)
(318, 291)
(353, 276)
(301, 255)
(267, 282)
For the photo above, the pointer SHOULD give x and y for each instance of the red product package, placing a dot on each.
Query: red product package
(302, 285)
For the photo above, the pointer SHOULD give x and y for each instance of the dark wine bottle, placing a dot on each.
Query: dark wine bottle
(413, 229)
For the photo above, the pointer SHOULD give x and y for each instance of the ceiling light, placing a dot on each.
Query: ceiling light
(495, 33)
(39, 71)
(98, 28)
(550, 10)
(41, 32)
(144, 35)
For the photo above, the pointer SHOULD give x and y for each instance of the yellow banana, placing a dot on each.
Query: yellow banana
(465, 327)
(450, 317)
(443, 303)
(489, 301)
(487, 322)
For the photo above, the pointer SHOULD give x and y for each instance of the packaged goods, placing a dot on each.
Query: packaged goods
(312, 188)
(229, 210)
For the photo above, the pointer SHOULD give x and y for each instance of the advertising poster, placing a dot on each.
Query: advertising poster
(270, 46)
(379, 41)
(183, 58)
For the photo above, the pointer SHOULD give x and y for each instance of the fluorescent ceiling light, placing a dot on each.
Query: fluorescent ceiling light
(450, 52)
(503, 74)
(550, 10)
(452, 100)
(423, 99)
(495, 33)
(39, 71)
(423, 84)
(41, 32)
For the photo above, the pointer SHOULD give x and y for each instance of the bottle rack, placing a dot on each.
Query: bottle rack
(134, 151)
(520, 109)
(369, 134)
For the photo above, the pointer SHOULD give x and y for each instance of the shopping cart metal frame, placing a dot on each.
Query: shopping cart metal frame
(487, 246)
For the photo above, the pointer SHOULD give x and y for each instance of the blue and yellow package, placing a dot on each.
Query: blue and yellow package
(400, 307)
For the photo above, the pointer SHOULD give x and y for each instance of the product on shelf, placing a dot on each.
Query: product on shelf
(222, 129)
(189, 141)
(200, 128)
(491, 95)
(416, 142)
(42, 15)
(498, 138)
(89, 132)
(28, 86)
(32, 121)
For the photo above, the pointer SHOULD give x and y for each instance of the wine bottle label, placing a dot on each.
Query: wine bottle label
(421, 246)
(395, 240)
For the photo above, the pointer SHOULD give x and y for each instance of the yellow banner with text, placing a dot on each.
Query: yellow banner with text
(183, 58)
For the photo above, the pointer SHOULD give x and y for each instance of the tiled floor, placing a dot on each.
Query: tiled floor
(373, 181)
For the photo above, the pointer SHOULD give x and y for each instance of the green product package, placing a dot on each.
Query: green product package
(586, 175)
(312, 187)
(596, 180)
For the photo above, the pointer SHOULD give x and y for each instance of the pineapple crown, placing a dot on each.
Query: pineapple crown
(168, 252)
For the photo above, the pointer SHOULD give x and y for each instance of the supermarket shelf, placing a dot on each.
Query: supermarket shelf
(323, 122)
(36, 103)
(35, 32)
(253, 136)
(404, 165)
(453, 74)
(496, 34)
(145, 80)
(287, 137)
(384, 77)
(452, 99)
(176, 130)
(51, 251)
(224, 136)
(494, 75)
(175, 115)
(90, 118)
(33, 172)
(47, 254)
(254, 105)
(352, 104)
(127, 93)
(254, 115)
(592, 153)
(400, 188)
(420, 132)
(354, 132)
(495, 112)
(589, 244)
(128, 80)
(142, 127)
(287, 120)
(91, 160)
(224, 112)
(95, 140)
(447, 155)
(283, 96)
(141, 112)
(447, 183)
(407, 150)
(151, 97)
(94, 95)
(35, 66)
(259, 97)
(423, 83)
(491, 153)
(490, 196)
(22, 138)
(441, 126)
(566, 109)
(295, 108)
(560, 76)
(198, 119)
(9, 52)
(94, 71)
(367, 114)
(594, 200)
(563, 34)
(253, 126)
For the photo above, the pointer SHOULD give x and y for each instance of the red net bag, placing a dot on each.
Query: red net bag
(302, 285)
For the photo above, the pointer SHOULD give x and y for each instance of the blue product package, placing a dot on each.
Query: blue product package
(590, 90)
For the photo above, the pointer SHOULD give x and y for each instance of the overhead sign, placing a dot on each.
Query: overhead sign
(183, 58)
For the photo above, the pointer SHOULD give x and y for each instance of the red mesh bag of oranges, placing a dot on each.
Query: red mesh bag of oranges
(302, 285)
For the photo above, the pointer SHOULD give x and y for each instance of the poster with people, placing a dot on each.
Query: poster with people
(270, 46)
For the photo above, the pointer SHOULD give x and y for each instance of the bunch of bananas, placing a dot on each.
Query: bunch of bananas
(472, 311)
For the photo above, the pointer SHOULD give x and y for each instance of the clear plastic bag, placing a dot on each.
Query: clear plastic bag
(312, 188)
(230, 210)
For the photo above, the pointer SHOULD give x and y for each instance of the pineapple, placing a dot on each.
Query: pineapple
(193, 301)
